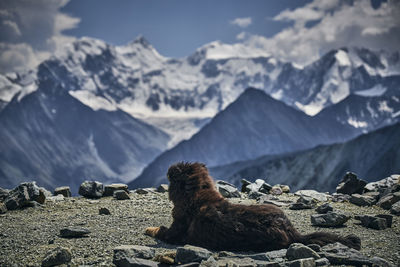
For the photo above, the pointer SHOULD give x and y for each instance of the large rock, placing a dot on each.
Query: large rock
(63, 190)
(227, 190)
(57, 256)
(378, 222)
(122, 261)
(134, 251)
(23, 194)
(322, 197)
(362, 200)
(245, 183)
(111, 188)
(324, 208)
(387, 201)
(330, 219)
(121, 195)
(91, 189)
(300, 251)
(395, 209)
(304, 202)
(350, 184)
(190, 253)
(339, 254)
(383, 184)
(74, 231)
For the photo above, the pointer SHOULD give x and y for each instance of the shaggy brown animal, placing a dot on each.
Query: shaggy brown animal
(202, 217)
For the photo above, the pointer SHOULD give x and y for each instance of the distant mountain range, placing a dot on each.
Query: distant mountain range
(131, 104)
(371, 156)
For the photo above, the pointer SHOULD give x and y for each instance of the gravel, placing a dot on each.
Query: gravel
(28, 235)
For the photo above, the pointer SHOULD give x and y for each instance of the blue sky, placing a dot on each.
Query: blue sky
(293, 30)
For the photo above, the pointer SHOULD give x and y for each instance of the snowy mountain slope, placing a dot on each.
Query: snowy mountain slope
(140, 81)
(371, 156)
(254, 125)
(51, 137)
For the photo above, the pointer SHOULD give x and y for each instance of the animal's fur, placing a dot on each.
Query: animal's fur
(202, 217)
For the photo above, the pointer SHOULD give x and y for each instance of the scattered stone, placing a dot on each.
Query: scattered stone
(387, 201)
(339, 254)
(245, 183)
(375, 195)
(57, 256)
(210, 262)
(395, 209)
(63, 190)
(276, 254)
(276, 190)
(377, 261)
(300, 251)
(322, 262)
(23, 194)
(134, 251)
(373, 222)
(315, 247)
(104, 211)
(350, 184)
(339, 197)
(322, 197)
(227, 190)
(362, 200)
(142, 191)
(330, 219)
(265, 188)
(304, 202)
(265, 200)
(74, 231)
(3, 208)
(111, 188)
(167, 258)
(255, 195)
(388, 218)
(309, 262)
(121, 195)
(383, 184)
(324, 208)
(162, 188)
(91, 189)
(285, 189)
(190, 253)
(3, 193)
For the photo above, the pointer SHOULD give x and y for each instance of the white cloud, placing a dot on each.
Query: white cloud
(30, 31)
(339, 25)
(242, 22)
(241, 36)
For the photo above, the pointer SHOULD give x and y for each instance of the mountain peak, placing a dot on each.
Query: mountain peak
(142, 41)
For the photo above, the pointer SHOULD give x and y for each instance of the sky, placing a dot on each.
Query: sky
(294, 30)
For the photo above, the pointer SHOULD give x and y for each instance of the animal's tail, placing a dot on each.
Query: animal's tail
(322, 239)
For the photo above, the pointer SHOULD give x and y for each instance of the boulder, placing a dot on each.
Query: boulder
(134, 251)
(285, 189)
(350, 184)
(23, 194)
(227, 190)
(324, 208)
(91, 189)
(300, 251)
(74, 231)
(57, 256)
(303, 202)
(339, 254)
(245, 183)
(383, 184)
(111, 188)
(378, 222)
(338, 197)
(63, 190)
(395, 209)
(162, 188)
(190, 253)
(322, 197)
(276, 190)
(330, 219)
(362, 200)
(387, 201)
(121, 195)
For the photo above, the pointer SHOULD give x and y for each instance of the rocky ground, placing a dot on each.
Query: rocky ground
(28, 234)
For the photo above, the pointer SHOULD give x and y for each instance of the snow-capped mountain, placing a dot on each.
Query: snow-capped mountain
(137, 79)
(51, 137)
(372, 156)
(253, 125)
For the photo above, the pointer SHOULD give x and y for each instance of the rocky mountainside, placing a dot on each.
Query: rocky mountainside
(52, 137)
(371, 156)
(254, 125)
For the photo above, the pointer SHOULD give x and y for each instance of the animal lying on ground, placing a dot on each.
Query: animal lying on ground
(203, 217)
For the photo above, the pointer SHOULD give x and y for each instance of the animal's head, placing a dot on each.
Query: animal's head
(186, 179)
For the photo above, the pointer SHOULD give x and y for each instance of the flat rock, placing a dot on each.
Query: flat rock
(57, 256)
(383, 184)
(121, 195)
(142, 191)
(227, 190)
(351, 184)
(274, 254)
(322, 262)
(339, 254)
(63, 190)
(190, 253)
(162, 188)
(309, 262)
(91, 189)
(300, 251)
(324, 208)
(362, 200)
(74, 231)
(134, 251)
(111, 188)
(304, 202)
(387, 201)
(375, 222)
(122, 261)
(322, 197)
(339, 197)
(330, 219)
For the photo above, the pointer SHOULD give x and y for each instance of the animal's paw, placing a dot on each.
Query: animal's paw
(152, 231)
